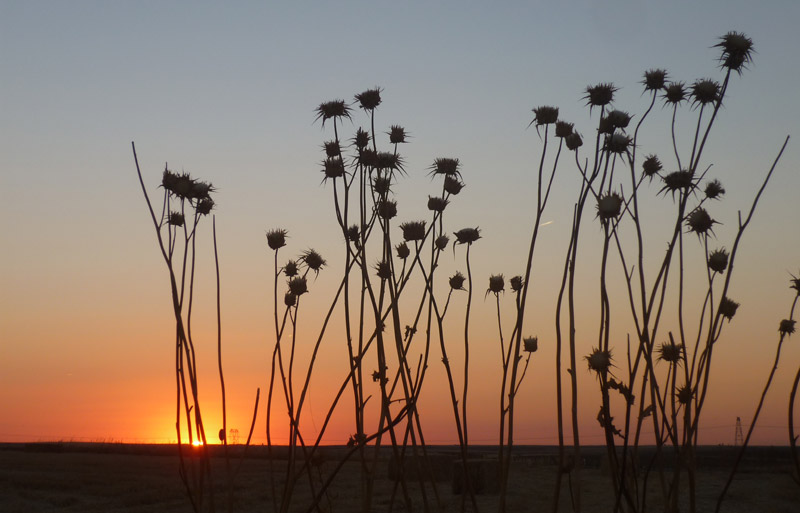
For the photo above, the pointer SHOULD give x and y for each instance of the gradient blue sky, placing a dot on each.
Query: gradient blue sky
(227, 92)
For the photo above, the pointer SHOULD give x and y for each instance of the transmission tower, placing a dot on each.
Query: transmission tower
(738, 439)
(234, 437)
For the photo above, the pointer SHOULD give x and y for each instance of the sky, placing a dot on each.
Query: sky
(227, 92)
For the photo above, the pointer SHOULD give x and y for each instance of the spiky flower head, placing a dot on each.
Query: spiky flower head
(600, 95)
(457, 281)
(397, 134)
(654, 79)
(786, 327)
(670, 352)
(333, 167)
(313, 260)
(617, 143)
(573, 141)
(388, 160)
(382, 185)
(441, 242)
(387, 209)
(618, 118)
(276, 239)
(564, 129)
(651, 166)
(437, 204)
(361, 139)
(718, 260)
(332, 109)
(367, 157)
(728, 307)
(413, 230)
(176, 219)
(352, 233)
(467, 235)
(204, 206)
(605, 126)
(402, 250)
(452, 185)
(516, 283)
(290, 269)
(737, 51)
(332, 149)
(200, 190)
(289, 299)
(599, 360)
(496, 284)
(298, 285)
(699, 221)
(530, 344)
(705, 91)
(446, 166)
(179, 184)
(678, 180)
(369, 99)
(685, 394)
(384, 270)
(609, 206)
(675, 93)
(714, 189)
(795, 283)
(545, 115)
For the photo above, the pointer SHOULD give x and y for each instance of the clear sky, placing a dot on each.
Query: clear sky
(227, 91)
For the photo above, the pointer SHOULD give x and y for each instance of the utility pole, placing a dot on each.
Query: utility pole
(738, 439)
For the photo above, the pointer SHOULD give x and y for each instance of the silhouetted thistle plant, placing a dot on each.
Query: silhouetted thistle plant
(391, 329)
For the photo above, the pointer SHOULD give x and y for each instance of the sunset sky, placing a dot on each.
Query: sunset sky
(227, 92)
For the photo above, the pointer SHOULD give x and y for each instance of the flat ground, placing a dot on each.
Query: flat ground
(126, 478)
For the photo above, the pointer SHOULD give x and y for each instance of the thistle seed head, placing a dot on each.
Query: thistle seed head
(651, 166)
(599, 95)
(441, 242)
(204, 206)
(573, 141)
(617, 143)
(413, 231)
(545, 115)
(699, 221)
(685, 394)
(530, 344)
(298, 286)
(786, 327)
(670, 352)
(446, 166)
(384, 270)
(369, 99)
(389, 160)
(737, 51)
(728, 307)
(599, 360)
(387, 209)
(402, 251)
(678, 180)
(516, 283)
(397, 134)
(654, 79)
(705, 91)
(176, 219)
(382, 185)
(276, 239)
(718, 260)
(496, 284)
(289, 299)
(352, 234)
(332, 109)
(563, 129)
(714, 189)
(457, 281)
(333, 167)
(361, 139)
(313, 260)
(619, 118)
(452, 185)
(290, 269)
(437, 204)
(609, 206)
(332, 149)
(675, 93)
(467, 235)
(795, 283)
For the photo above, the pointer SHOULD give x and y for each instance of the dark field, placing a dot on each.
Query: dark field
(143, 478)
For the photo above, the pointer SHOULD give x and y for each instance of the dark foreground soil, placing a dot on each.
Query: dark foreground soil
(129, 478)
